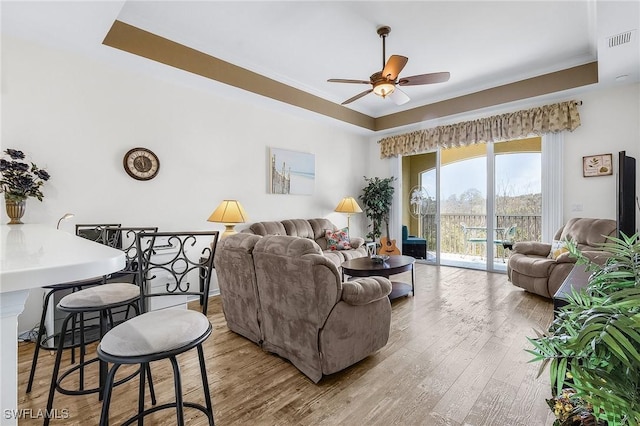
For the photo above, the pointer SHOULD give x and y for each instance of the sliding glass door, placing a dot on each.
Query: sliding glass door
(463, 206)
(479, 200)
(517, 195)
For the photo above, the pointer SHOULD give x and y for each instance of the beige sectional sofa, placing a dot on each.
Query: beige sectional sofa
(313, 229)
(283, 293)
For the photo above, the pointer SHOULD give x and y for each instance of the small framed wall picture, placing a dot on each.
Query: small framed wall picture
(597, 165)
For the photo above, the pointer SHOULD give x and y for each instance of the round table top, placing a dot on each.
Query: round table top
(365, 264)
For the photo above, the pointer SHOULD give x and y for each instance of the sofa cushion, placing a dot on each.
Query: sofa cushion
(312, 229)
(587, 232)
(291, 247)
(337, 257)
(268, 228)
(298, 228)
(338, 240)
(353, 254)
(320, 226)
(531, 265)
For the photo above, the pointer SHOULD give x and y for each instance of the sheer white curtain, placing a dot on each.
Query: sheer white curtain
(552, 184)
(395, 217)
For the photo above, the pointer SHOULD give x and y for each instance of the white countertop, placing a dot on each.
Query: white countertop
(38, 255)
(33, 256)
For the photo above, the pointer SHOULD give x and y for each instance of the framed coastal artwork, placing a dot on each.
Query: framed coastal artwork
(291, 172)
(597, 165)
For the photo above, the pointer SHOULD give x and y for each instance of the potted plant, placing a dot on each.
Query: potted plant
(377, 198)
(20, 180)
(593, 345)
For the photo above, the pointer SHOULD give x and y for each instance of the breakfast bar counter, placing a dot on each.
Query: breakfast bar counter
(33, 256)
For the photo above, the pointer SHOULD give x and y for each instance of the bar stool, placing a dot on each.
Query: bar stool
(182, 329)
(101, 300)
(94, 232)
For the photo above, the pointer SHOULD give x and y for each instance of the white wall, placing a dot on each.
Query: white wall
(77, 118)
(610, 123)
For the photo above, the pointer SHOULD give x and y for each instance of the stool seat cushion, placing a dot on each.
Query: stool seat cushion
(155, 332)
(101, 295)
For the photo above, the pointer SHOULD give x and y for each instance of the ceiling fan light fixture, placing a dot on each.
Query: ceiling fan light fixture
(384, 88)
(384, 82)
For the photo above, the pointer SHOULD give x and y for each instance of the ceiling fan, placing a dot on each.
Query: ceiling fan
(384, 83)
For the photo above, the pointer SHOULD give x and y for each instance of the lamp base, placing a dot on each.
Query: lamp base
(229, 230)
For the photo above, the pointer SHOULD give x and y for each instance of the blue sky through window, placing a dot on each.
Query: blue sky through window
(516, 174)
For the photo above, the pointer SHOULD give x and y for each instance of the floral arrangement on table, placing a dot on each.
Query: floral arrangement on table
(20, 179)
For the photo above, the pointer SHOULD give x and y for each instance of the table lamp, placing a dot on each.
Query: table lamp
(229, 213)
(349, 206)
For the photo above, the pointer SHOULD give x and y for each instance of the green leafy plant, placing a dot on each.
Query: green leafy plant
(20, 179)
(377, 198)
(593, 345)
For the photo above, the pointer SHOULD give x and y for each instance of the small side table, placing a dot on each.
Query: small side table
(365, 267)
(577, 279)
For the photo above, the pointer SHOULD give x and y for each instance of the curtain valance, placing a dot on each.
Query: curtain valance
(535, 121)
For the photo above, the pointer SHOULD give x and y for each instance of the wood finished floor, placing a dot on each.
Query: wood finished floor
(455, 356)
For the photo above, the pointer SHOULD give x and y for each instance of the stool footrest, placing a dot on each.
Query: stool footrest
(164, 407)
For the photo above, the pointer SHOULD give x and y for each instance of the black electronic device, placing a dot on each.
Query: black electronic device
(626, 194)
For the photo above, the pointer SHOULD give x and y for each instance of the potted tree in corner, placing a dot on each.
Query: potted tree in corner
(377, 198)
(593, 345)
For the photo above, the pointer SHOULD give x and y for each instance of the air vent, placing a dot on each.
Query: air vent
(621, 38)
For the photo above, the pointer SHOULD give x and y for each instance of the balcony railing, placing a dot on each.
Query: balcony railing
(528, 228)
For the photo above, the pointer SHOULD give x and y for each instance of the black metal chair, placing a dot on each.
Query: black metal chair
(181, 330)
(94, 232)
(116, 292)
(98, 232)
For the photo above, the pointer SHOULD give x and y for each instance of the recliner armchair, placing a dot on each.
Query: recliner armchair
(283, 293)
(532, 268)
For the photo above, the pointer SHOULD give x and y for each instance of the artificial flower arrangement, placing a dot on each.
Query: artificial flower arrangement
(20, 179)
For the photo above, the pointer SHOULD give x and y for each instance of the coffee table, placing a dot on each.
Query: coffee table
(365, 267)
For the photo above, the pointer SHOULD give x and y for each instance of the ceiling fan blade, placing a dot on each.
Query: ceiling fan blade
(343, 80)
(398, 97)
(356, 97)
(415, 80)
(394, 65)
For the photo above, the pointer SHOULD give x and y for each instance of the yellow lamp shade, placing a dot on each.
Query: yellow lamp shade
(348, 205)
(229, 212)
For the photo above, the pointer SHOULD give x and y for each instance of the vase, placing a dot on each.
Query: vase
(15, 210)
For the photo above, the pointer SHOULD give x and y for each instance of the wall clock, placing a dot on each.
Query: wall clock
(141, 163)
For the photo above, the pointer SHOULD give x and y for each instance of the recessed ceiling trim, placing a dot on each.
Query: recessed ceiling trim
(569, 78)
(151, 46)
(139, 42)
